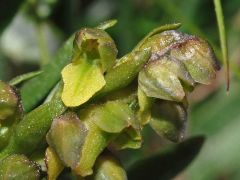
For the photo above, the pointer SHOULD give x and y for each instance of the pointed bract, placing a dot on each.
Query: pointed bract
(66, 137)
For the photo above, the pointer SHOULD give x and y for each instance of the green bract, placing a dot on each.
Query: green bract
(18, 167)
(178, 61)
(102, 102)
(145, 104)
(95, 142)
(5, 134)
(19, 79)
(113, 116)
(169, 119)
(35, 125)
(157, 81)
(129, 138)
(108, 168)
(125, 71)
(10, 112)
(8, 101)
(66, 137)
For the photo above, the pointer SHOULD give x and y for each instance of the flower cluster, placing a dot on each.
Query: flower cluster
(103, 101)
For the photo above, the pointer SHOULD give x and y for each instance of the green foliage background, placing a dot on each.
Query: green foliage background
(31, 36)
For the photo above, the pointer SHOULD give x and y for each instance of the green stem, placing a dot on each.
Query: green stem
(223, 39)
(31, 130)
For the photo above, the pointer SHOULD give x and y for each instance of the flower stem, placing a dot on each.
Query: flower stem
(223, 39)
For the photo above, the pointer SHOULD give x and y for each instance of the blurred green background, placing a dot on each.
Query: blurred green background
(32, 30)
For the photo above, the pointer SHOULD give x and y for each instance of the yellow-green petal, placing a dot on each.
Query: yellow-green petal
(113, 116)
(81, 81)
